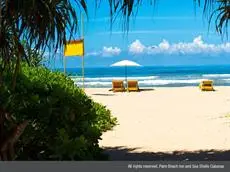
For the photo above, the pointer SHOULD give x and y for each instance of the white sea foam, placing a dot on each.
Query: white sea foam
(144, 83)
(104, 79)
(228, 79)
(152, 80)
(166, 82)
(98, 84)
(216, 75)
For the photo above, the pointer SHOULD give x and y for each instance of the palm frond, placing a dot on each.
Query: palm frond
(42, 23)
(217, 11)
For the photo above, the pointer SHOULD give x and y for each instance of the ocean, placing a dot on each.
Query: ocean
(152, 76)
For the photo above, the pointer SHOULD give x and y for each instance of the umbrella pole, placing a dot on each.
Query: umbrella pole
(126, 83)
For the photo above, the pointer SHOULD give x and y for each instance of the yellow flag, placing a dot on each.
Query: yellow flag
(74, 48)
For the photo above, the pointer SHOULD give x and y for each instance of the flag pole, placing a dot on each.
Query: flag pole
(64, 64)
(82, 35)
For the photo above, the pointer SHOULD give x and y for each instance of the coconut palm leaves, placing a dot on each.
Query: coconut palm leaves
(217, 10)
(42, 23)
(123, 9)
(221, 17)
(219, 13)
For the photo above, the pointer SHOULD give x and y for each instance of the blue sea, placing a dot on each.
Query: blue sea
(153, 76)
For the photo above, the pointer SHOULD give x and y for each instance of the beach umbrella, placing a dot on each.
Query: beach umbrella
(125, 63)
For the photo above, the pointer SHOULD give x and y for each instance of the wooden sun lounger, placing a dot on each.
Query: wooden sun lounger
(132, 85)
(118, 86)
(206, 85)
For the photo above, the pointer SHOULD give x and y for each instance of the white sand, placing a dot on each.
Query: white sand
(168, 119)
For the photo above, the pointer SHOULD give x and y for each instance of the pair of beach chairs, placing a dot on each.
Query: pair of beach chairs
(206, 85)
(118, 85)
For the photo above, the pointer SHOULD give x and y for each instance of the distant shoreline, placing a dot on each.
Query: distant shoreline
(153, 76)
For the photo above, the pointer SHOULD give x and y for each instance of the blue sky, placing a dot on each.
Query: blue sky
(171, 33)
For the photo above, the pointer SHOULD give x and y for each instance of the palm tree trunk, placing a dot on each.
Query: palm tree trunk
(8, 139)
(17, 65)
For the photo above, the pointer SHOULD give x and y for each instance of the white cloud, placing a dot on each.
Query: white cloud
(110, 51)
(164, 45)
(198, 40)
(106, 52)
(136, 47)
(197, 46)
(94, 53)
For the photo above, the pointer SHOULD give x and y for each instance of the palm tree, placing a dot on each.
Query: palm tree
(42, 24)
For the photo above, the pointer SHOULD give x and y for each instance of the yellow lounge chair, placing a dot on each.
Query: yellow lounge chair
(118, 86)
(132, 85)
(206, 85)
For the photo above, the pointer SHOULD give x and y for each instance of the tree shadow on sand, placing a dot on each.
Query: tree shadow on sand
(127, 154)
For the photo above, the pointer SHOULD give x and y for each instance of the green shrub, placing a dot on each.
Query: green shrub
(65, 124)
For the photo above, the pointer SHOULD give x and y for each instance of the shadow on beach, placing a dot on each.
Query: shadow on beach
(100, 94)
(140, 90)
(147, 89)
(126, 154)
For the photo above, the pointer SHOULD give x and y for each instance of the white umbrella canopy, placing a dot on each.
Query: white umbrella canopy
(125, 63)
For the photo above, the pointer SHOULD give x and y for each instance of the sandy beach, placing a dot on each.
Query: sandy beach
(167, 119)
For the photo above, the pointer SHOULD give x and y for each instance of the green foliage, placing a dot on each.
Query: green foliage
(32, 56)
(65, 124)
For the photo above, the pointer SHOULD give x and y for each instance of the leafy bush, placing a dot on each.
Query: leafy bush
(65, 124)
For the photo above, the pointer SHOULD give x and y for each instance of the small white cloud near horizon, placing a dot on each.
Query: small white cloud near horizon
(110, 51)
(197, 46)
(93, 53)
(106, 52)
